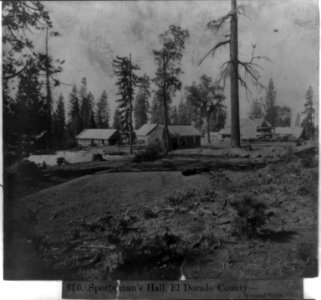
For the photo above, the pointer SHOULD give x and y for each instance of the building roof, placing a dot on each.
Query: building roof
(146, 129)
(295, 131)
(183, 130)
(96, 134)
(243, 124)
(247, 129)
(261, 122)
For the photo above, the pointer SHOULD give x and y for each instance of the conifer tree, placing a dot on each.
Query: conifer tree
(141, 107)
(74, 113)
(308, 121)
(30, 107)
(168, 61)
(102, 114)
(59, 123)
(270, 104)
(127, 81)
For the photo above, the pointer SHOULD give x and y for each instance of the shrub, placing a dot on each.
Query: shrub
(97, 157)
(250, 218)
(181, 198)
(151, 152)
(150, 213)
(61, 160)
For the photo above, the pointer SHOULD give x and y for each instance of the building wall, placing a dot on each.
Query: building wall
(156, 136)
(142, 138)
(98, 142)
(184, 142)
(84, 142)
(114, 139)
(92, 142)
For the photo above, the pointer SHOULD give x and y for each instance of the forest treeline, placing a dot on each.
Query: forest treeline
(33, 119)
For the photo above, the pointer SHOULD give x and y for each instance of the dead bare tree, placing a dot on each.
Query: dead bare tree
(231, 68)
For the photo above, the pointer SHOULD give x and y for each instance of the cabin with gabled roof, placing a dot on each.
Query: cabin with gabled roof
(98, 137)
(180, 136)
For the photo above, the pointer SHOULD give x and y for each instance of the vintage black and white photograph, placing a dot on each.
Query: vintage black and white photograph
(160, 140)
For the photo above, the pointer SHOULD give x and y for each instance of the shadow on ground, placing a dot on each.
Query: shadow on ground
(283, 236)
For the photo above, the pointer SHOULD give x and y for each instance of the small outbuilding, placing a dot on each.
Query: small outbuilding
(98, 137)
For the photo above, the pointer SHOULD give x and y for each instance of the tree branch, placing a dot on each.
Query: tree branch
(213, 50)
(7, 77)
(216, 24)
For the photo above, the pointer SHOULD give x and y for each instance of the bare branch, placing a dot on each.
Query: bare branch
(216, 24)
(213, 50)
(224, 74)
(247, 90)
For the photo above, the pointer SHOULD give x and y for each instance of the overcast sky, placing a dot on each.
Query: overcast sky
(93, 33)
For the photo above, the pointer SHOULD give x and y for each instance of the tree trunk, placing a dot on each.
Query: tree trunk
(48, 96)
(208, 129)
(130, 106)
(235, 117)
(166, 134)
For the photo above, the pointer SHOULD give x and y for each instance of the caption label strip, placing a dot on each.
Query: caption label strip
(189, 289)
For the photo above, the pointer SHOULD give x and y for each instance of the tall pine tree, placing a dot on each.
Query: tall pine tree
(102, 114)
(308, 121)
(85, 105)
(29, 108)
(142, 102)
(74, 122)
(127, 81)
(91, 105)
(270, 104)
(59, 124)
(168, 61)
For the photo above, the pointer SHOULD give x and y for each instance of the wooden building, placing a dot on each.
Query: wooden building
(98, 137)
(180, 136)
(263, 128)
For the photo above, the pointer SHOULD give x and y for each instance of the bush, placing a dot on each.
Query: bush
(151, 152)
(182, 198)
(97, 157)
(61, 161)
(251, 216)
